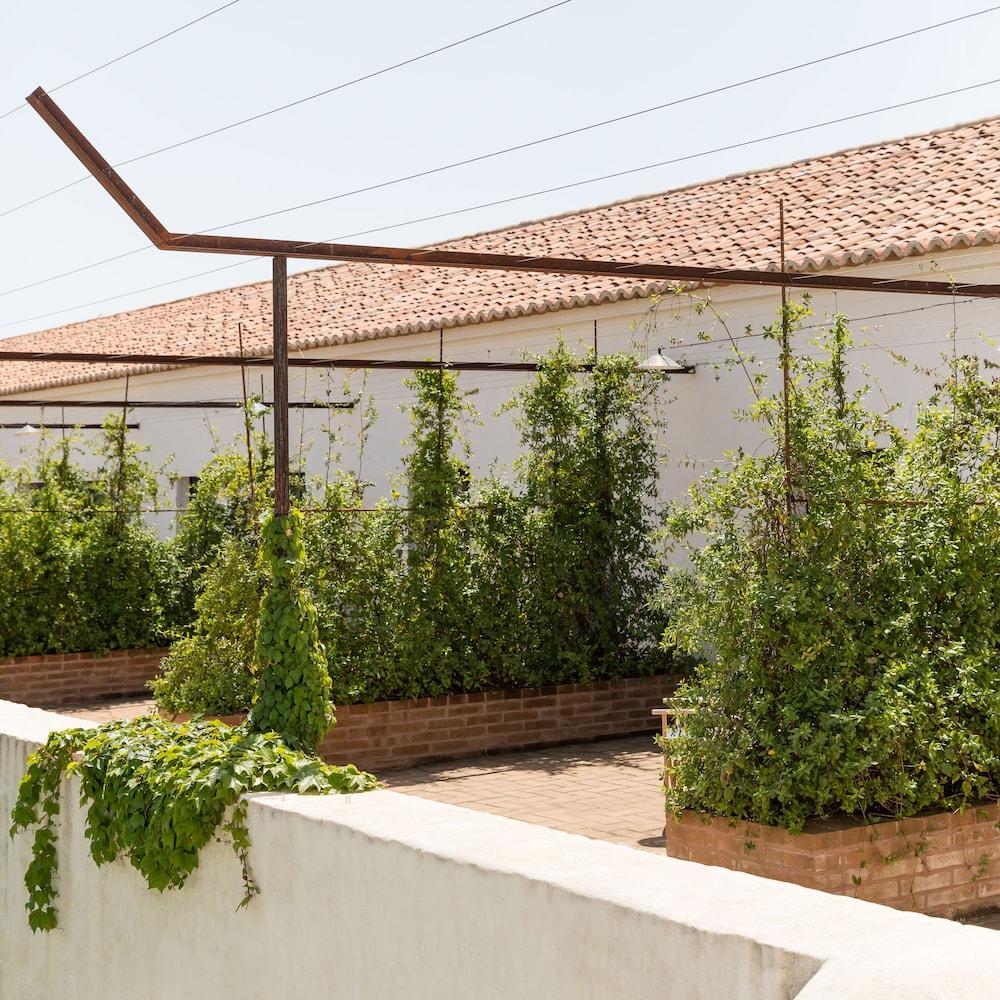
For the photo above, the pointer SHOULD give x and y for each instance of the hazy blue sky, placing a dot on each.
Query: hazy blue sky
(585, 61)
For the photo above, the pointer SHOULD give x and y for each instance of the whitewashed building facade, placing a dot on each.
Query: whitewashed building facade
(923, 206)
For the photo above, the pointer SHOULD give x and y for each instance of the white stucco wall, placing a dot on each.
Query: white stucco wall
(699, 408)
(384, 895)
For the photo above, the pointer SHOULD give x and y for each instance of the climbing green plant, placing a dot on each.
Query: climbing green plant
(156, 794)
(225, 508)
(293, 693)
(210, 669)
(456, 584)
(588, 474)
(355, 572)
(436, 592)
(849, 627)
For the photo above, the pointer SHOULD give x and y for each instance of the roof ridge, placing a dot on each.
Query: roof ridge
(525, 223)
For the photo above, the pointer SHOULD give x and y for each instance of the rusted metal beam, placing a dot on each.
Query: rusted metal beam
(102, 171)
(163, 239)
(156, 404)
(45, 425)
(234, 361)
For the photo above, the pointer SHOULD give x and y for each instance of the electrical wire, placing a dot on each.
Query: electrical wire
(454, 212)
(893, 348)
(708, 341)
(293, 104)
(534, 142)
(125, 55)
(612, 176)
(851, 321)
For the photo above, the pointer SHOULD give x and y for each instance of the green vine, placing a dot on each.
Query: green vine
(455, 583)
(293, 696)
(156, 793)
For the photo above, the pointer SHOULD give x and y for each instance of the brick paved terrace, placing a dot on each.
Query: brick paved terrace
(607, 790)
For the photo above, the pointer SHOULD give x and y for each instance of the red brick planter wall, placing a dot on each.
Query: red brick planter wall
(943, 864)
(53, 680)
(391, 734)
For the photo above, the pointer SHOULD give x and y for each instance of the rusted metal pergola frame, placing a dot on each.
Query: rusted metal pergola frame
(281, 250)
(257, 361)
(158, 404)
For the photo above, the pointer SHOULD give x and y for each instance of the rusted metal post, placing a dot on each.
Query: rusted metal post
(785, 369)
(279, 298)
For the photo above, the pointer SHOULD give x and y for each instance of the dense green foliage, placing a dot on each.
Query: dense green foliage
(209, 670)
(852, 649)
(79, 570)
(588, 471)
(293, 687)
(157, 793)
(223, 513)
(470, 585)
(461, 585)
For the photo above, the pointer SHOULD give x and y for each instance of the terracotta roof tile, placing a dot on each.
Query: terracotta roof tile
(906, 197)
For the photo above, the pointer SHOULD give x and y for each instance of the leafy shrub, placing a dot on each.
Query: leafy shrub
(210, 670)
(224, 508)
(589, 475)
(79, 570)
(432, 644)
(354, 570)
(292, 697)
(472, 586)
(852, 649)
(157, 793)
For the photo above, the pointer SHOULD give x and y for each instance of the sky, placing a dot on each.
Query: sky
(582, 62)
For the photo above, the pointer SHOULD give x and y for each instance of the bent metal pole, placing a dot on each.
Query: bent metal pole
(280, 250)
(246, 246)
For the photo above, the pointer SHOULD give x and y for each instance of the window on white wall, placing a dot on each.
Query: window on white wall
(185, 490)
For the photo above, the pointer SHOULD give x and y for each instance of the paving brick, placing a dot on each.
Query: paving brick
(608, 790)
(944, 878)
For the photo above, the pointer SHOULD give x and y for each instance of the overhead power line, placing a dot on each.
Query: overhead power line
(125, 55)
(730, 340)
(611, 176)
(291, 104)
(533, 142)
(454, 212)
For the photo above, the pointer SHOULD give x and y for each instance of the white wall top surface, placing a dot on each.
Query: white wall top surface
(386, 895)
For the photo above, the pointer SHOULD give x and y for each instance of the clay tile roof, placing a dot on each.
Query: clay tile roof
(906, 197)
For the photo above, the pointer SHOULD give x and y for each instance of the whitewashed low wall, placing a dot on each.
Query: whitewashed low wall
(389, 896)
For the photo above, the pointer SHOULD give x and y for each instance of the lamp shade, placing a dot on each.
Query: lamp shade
(659, 362)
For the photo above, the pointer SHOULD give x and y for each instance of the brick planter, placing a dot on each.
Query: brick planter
(390, 734)
(52, 680)
(943, 864)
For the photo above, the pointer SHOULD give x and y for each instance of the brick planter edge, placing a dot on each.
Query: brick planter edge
(944, 864)
(392, 734)
(54, 680)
